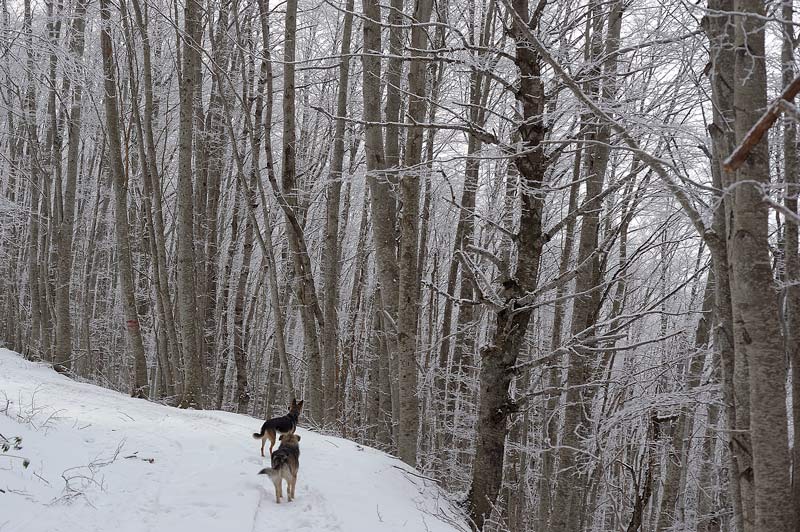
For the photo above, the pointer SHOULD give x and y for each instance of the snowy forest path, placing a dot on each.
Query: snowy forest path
(102, 461)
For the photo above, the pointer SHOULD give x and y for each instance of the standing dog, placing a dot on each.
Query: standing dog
(279, 425)
(285, 463)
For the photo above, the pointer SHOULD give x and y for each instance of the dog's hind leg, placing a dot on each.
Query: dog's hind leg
(278, 483)
(292, 482)
(263, 442)
(271, 435)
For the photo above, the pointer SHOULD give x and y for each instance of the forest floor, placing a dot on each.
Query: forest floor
(101, 461)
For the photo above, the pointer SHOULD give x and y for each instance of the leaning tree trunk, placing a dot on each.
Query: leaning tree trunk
(151, 174)
(139, 387)
(274, 292)
(464, 344)
(163, 309)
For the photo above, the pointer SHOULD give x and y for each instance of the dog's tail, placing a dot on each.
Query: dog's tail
(258, 435)
(272, 473)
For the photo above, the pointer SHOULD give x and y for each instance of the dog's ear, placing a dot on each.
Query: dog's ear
(298, 437)
(294, 403)
(300, 404)
(281, 437)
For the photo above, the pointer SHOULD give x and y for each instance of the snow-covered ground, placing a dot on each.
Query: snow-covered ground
(101, 461)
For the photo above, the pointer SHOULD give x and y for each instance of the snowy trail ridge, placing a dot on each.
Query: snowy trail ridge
(101, 461)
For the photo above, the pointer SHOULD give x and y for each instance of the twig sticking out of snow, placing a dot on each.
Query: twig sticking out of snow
(74, 474)
(148, 460)
(416, 474)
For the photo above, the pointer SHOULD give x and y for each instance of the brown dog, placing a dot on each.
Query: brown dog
(279, 425)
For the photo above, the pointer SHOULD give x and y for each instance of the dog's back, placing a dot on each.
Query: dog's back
(287, 457)
(285, 464)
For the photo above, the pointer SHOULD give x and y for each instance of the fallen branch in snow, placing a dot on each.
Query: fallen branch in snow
(25, 461)
(416, 474)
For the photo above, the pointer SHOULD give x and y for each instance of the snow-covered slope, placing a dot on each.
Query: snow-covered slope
(101, 461)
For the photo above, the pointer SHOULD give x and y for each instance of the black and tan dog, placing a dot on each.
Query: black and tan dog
(279, 425)
(285, 463)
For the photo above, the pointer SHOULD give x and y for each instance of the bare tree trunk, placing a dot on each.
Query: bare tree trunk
(349, 347)
(63, 346)
(408, 294)
(792, 258)
(757, 324)
(163, 309)
(499, 357)
(212, 166)
(719, 29)
(152, 175)
(394, 89)
(567, 510)
(274, 291)
(139, 386)
(382, 203)
(678, 448)
(550, 428)
(302, 271)
(239, 346)
(464, 343)
(52, 196)
(32, 152)
(330, 251)
(187, 297)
